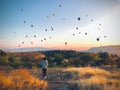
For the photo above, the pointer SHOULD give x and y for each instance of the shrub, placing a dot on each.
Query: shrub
(20, 80)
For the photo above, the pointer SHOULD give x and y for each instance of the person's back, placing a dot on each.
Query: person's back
(44, 64)
(44, 67)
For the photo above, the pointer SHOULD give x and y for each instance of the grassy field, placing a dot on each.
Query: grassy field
(20, 80)
(87, 78)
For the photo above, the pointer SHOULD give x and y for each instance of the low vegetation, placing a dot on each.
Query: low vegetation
(96, 79)
(86, 78)
(20, 80)
(82, 78)
(68, 70)
(58, 58)
(70, 78)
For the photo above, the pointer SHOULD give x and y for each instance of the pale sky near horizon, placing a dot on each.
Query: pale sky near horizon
(62, 16)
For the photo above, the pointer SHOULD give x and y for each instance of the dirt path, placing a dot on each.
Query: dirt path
(60, 85)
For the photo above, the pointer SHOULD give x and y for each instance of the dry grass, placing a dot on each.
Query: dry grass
(96, 79)
(20, 80)
(87, 78)
(88, 72)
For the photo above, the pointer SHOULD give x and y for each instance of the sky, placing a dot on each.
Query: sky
(56, 25)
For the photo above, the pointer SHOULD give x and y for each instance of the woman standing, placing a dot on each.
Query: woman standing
(44, 67)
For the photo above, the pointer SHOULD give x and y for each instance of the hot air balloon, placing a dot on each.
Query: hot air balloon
(19, 46)
(98, 39)
(52, 28)
(105, 36)
(34, 36)
(91, 20)
(45, 29)
(63, 19)
(73, 34)
(53, 14)
(24, 21)
(65, 43)
(31, 42)
(48, 17)
(26, 36)
(31, 25)
(60, 5)
(98, 28)
(44, 38)
(22, 42)
(78, 18)
(21, 10)
(76, 28)
(85, 33)
(50, 37)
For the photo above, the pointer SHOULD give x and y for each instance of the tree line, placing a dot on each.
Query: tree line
(58, 58)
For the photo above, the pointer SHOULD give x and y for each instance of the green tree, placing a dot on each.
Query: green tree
(15, 62)
(104, 55)
(2, 53)
(30, 65)
(4, 60)
(87, 59)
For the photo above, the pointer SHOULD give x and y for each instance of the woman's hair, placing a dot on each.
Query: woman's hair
(44, 58)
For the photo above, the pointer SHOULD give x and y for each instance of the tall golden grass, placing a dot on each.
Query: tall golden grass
(86, 78)
(20, 80)
(96, 79)
(83, 78)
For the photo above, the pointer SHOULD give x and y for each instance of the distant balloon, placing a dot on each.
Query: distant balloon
(86, 15)
(105, 36)
(14, 32)
(79, 32)
(98, 39)
(100, 24)
(31, 25)
(78, 18)
(63, 19)
(45, 29)
(91, 20)
(22, 10)
(50, 37)
(60, 5)
(76, 28)
(22, 42)
(73, 34)
(34, 36)
(19, 46)
(44, 38)
(98, 28)
(24, 21)
(48, 17)
(26, 36)
(53, 14)
(31, 42)
(52, 28)
(41, 40)
(85, 33)
(65, 43)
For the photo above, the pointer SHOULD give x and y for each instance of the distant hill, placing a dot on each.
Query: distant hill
(27, 49)
(112, 49)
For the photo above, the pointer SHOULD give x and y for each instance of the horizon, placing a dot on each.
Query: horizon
(32, 49)
(55, 24)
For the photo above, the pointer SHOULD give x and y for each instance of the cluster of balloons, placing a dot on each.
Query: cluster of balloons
(53, 14)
